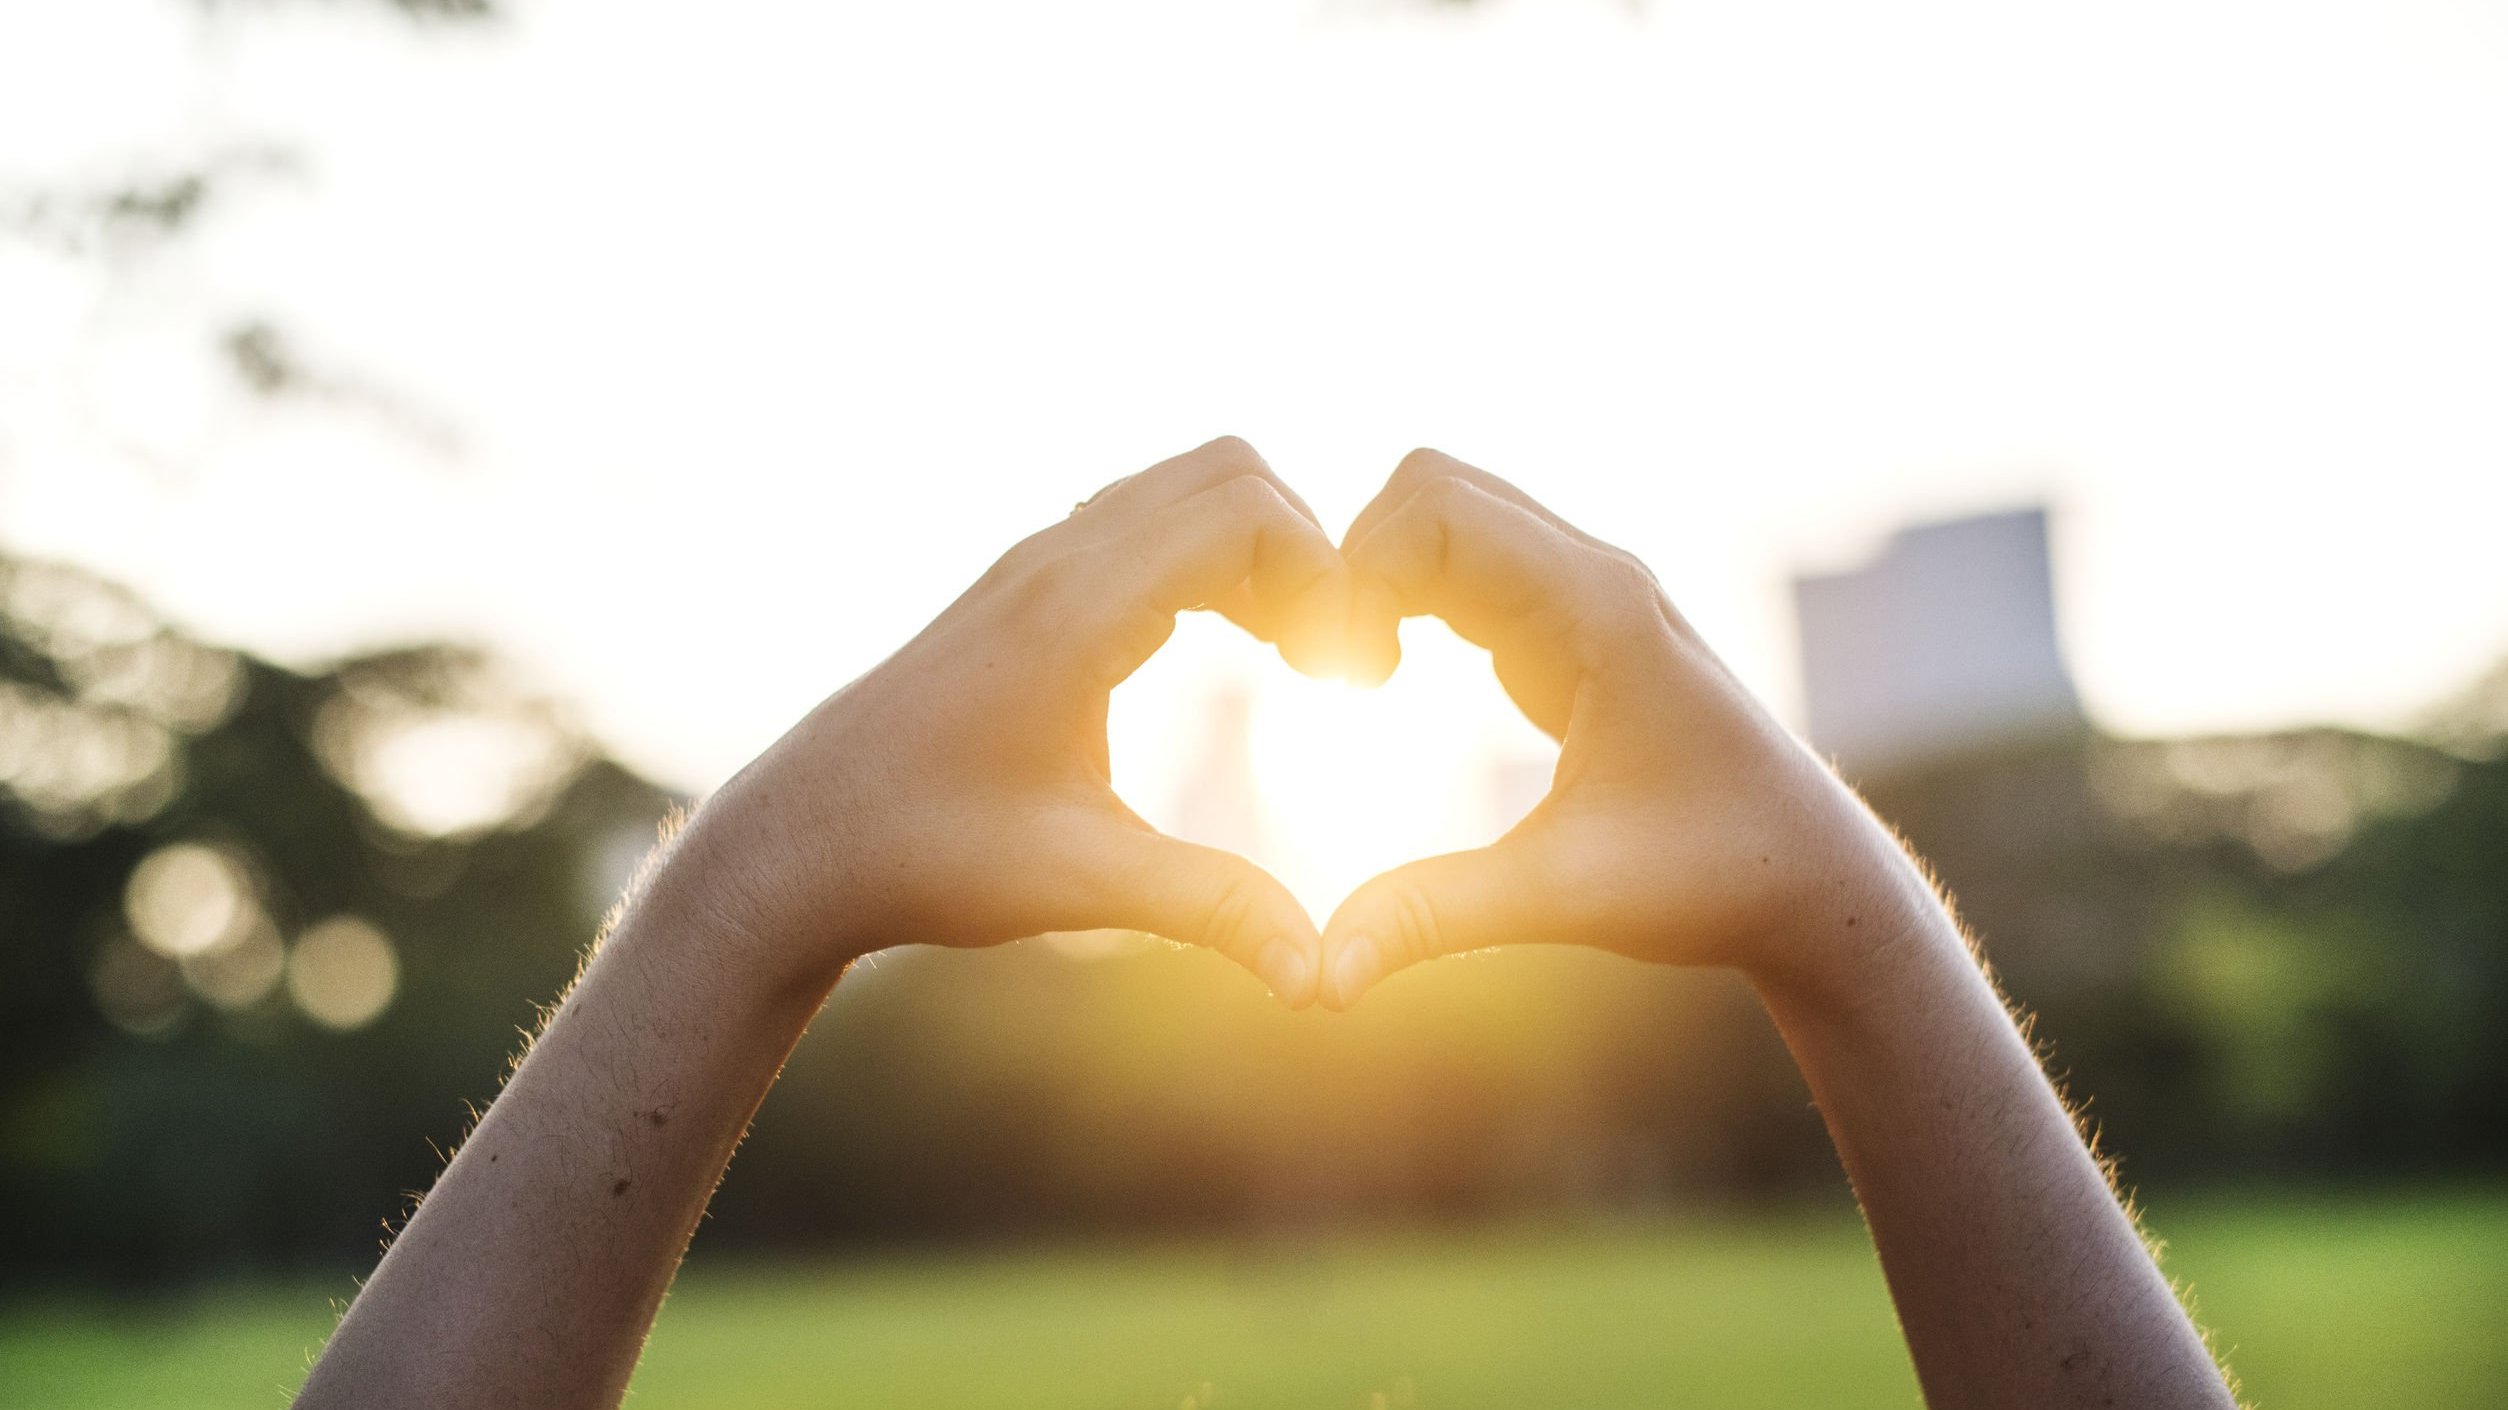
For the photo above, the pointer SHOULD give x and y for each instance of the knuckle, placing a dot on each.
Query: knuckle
(1421, 465)
(1252, 497)
(1234, 450)
(1416, 935)
(1231, 903)
(1628, 559)
(1040, 583)
(1624, 576)
(1624, 593)
(1446, 496)
(1204, 467)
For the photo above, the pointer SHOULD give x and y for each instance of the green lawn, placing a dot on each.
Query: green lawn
(2320, 1303)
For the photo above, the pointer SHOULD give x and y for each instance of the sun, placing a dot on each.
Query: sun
(1321, 783)
(1352, 782)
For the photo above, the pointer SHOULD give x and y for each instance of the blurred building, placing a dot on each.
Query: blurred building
(1944, 640)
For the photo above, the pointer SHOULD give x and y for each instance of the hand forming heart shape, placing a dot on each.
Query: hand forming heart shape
(960, 793)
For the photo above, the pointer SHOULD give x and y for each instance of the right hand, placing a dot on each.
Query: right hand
(959, 793)
(1684, 825)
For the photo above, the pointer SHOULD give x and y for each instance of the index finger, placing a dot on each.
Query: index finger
(1373, 645)
(1124, 503)
(1307, 634)
(1423, 465)
(1198, 551)
(1502, 576)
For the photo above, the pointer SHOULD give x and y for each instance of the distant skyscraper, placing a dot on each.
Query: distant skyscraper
(1944, 640)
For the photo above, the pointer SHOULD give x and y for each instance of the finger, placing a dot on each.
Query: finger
(1309, 630)
(1119, 508)
(1181, 477)
(1428, 908)
(1502, 576)
(1260, 620)
(1144, 880)
(1200, 551)
(1422, 465)
(1371, 641)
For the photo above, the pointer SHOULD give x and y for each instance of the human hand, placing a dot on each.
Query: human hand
(1683, 825)
(959, 794)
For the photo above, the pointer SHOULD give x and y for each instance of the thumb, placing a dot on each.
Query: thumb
(1428, 908)
(1146, 880)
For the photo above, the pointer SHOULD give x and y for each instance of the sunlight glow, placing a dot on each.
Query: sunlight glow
(1352, 782)
(1322, 783)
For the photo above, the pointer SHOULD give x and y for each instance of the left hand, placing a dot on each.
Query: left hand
(1684, 825)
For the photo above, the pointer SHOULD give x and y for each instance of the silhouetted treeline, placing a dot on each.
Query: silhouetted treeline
(266, 936)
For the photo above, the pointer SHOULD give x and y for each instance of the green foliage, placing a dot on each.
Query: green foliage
(2275, 954)
(164, 1113)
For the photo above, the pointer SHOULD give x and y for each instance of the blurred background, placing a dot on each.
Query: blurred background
(437, 436)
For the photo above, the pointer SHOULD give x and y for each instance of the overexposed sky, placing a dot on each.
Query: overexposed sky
(759, 329)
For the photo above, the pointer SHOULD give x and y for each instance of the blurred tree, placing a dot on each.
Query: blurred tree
(265, 935)
(254, 945)
(2283, 954)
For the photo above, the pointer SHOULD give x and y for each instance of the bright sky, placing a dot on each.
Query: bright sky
(763, 327)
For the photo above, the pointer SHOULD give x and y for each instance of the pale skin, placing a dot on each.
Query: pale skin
(958, 794)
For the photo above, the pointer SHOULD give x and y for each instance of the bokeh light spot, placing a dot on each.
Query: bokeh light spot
(343, 973)
(238, 975)
(138, 990)
(189, 899)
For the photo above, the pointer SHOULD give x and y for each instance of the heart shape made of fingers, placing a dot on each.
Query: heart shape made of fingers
(962, 792)
(1320, 782)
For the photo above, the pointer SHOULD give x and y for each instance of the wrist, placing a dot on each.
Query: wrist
(683, 937)
(714, 903)
(1868, 933)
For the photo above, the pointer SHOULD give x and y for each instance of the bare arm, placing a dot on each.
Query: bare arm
(958, 795)
(1685, 826)
(2018, 1278)
(534, 1268)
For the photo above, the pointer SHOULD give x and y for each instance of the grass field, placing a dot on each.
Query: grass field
(2321, 1303)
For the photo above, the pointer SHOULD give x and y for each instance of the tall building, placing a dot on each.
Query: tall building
(1944, 640)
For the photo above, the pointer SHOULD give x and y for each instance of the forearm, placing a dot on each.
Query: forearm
(532, 1271)
(2019, 1280)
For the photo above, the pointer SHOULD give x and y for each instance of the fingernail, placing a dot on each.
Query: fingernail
(1353, 971)
(1285, 969)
